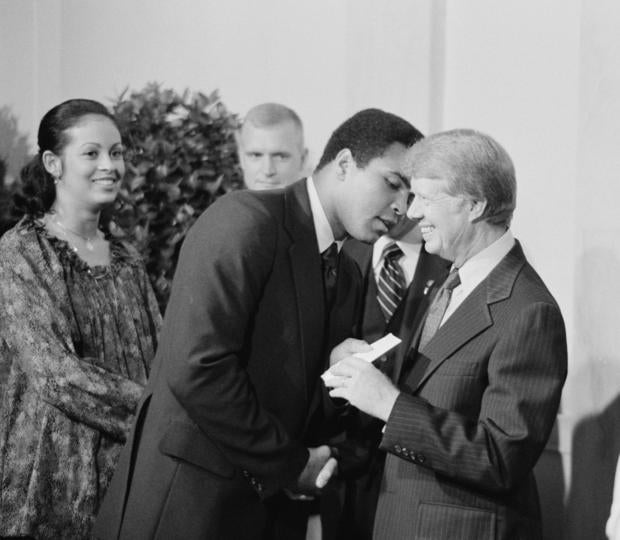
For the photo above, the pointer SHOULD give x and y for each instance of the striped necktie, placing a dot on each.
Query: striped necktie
(391, 284)
(438, 307)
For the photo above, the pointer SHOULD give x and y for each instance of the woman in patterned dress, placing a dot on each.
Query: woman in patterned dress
(80, 322)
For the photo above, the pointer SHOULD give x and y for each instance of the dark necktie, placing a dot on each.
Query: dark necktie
(330, 273)
(391, 284)
(438, 308)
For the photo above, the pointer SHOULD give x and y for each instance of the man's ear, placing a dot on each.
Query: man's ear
(52, 163)
(304, 157)
(476, 210)
(344, 161)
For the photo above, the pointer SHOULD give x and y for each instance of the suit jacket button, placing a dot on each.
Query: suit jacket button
(398, 448)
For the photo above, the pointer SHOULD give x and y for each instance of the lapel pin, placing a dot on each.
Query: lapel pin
(428, 286)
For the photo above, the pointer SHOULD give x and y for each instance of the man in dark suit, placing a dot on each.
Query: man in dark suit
(233, 419)
(479, 388)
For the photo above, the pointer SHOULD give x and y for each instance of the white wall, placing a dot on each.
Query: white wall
(593, 393)
(326, 59)
(29, 59)
(542, 76)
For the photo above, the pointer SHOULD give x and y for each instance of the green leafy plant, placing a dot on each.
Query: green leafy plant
(181, 157)
(14, 153)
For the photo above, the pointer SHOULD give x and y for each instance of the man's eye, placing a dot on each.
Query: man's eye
(394, 184)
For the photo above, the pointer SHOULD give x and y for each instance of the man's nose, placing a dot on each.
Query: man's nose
(414, 211)
(400, 204)
(268, 166)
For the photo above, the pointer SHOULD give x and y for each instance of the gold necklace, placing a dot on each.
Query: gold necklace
(88, 241)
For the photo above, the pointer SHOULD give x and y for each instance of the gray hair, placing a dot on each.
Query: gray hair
(474, 164)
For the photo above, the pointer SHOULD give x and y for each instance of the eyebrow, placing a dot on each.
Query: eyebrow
(404, 179)
(118, 143)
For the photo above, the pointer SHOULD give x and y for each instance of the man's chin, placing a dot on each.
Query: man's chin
(259, 185)
(368, 237)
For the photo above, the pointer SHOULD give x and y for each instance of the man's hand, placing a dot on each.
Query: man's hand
(329, 470)
(348, 347)
(319, 469)
(362, 385)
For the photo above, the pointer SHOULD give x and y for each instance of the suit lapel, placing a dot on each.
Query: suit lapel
(307, 279)
(473, 316)
(429, 274)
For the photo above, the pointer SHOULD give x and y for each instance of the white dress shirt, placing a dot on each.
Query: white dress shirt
(477, 268)
(324, 233)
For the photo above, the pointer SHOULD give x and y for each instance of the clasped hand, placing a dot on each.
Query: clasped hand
(319, 469)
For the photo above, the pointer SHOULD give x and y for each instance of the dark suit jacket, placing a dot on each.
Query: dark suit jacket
(474, 415)
(223, 424)
(364, 468)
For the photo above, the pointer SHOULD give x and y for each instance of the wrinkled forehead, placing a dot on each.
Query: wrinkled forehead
(429, 186)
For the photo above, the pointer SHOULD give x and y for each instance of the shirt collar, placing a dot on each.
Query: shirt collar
(478, 267)
(324, 233)
(408, 244)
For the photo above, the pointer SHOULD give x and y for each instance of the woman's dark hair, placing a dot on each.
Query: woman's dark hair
(37, 185)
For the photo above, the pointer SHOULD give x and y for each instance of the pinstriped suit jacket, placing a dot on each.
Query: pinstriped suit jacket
(474, 415)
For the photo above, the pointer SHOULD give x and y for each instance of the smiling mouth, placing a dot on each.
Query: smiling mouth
(106, 181)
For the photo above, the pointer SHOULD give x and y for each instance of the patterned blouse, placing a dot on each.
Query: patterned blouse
(78, 345)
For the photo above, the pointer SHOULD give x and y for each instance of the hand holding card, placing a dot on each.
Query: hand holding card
(379, 348)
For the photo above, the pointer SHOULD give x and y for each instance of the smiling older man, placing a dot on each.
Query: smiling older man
(478, 381)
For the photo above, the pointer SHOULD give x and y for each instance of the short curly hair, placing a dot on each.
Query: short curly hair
(368, 134)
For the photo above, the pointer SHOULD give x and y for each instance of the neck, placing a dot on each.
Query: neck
(485, 236)
(81, 221)
(325, 186)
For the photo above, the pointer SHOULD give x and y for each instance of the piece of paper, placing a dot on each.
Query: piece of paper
(379, 348)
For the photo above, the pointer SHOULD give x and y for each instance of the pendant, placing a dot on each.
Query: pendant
(89, 245)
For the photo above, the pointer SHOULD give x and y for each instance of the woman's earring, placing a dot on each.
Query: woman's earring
(56, 179)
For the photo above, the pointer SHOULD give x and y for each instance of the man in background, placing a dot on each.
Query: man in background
(478, 388)
(271, 147)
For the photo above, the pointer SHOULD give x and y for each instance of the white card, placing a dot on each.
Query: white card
(379, 348)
